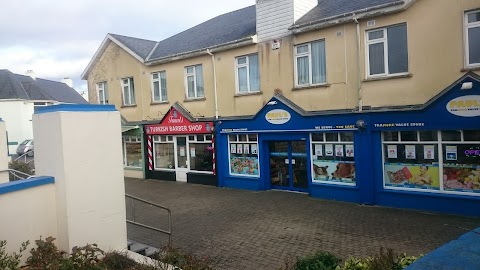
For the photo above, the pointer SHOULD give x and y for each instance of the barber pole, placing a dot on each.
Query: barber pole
(214, 170)
(149, 147)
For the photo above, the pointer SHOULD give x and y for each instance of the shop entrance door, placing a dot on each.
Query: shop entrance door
(288, 165)
(181, 158)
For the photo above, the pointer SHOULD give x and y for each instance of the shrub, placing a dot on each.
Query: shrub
(318, 261)
(46, 255)
(21, 167)
(10, 261)
(185, 261)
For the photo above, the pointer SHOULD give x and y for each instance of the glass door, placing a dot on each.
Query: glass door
(288, 165)
(181, 158)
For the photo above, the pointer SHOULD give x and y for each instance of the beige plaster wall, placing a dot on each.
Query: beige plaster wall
(436, 60)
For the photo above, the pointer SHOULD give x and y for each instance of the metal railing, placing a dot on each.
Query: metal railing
(17, 175)
(24, 156)
(169, 232)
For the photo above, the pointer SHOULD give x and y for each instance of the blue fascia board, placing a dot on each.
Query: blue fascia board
(25, 184)
(75, 108)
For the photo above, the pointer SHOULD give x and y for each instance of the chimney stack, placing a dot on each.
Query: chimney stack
(31, 73)
(68, 81)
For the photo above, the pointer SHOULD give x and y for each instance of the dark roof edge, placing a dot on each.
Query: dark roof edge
(351, 16)
(249, 40)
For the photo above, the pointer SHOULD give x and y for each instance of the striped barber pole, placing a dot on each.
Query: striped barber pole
(214, 161)
(149, 147)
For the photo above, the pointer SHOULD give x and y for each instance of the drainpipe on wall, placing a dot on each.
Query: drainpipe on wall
(359, 80)
(214, 83)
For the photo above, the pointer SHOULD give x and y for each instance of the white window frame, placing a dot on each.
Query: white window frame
(309, 55)
(247, 141)
(163, 139)
(159, 81)
(102, 92)
(130, 139)
(439, 142)
(131, 91)
(245, 65)
(194, 75)
(467, 26)
(383, 40)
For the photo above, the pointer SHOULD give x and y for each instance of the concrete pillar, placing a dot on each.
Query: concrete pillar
(4, 158)
(81, 146)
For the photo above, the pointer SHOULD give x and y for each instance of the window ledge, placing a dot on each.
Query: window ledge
(159, 102)
(466, 69)
(129, 106)
(248, 94)
(388, 77)
(132, 168)
(325, 85)
(194, 99)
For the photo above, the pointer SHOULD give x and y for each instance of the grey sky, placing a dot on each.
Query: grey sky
(58, 38)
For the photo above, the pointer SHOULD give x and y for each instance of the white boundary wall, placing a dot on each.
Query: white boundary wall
(81, 146)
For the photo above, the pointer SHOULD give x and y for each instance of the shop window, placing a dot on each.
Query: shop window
(164, 152)
(448, 162)
(243, 154)
(333, 158)
(200, 153)
(132, 152)
(391, 136)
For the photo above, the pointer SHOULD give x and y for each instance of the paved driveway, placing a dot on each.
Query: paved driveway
(258, 230)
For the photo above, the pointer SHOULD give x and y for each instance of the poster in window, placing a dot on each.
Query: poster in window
(239, 148)
(182, 151)
(410, 152)
(246, 148)
(329, 150)
(339, 150)
(192, 151)
(428, 152)
(412, 176)
(254, 148)
(349, 150)
(318, 150)
(392, 151)
(451, 152)
(233, 148)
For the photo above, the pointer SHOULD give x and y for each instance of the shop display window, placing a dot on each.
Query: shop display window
(243, 154)
(436, 161)
(201, 153)
(132, 151)
(333, 158)
(164, 152)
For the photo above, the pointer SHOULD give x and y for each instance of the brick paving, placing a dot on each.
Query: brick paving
(258, 230)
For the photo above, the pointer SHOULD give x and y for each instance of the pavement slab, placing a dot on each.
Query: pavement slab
(243, 229)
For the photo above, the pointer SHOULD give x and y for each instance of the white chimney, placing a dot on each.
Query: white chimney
(275, 16)
(68, 81)
(31, 73)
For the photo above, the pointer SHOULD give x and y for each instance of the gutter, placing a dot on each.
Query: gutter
(214, 83)
(349, 16)
(204, 51)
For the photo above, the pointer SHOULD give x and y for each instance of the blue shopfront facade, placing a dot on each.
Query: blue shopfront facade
(420, 157)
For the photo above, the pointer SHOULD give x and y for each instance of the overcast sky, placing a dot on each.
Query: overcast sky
(57, 38)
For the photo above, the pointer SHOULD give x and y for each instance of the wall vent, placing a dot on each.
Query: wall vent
(371, 23)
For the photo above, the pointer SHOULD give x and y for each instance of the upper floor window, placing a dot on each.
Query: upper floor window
(102, 93)
(128, 92)
(159, 86)
(194, 81)
(472, 33)
(247, 74)
(310, 66)
(387, 51)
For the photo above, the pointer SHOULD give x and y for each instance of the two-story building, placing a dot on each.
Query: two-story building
(375, 102)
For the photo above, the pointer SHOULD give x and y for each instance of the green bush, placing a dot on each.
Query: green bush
(10, 261)
(318, 261)
(381, 261)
